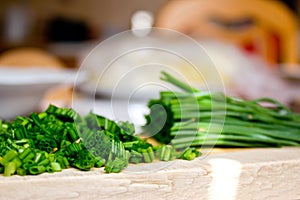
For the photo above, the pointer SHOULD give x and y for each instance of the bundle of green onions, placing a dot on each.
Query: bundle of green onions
(60, 138)
(206, 119)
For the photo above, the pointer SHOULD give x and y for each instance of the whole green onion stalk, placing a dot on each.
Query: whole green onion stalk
(196, 118)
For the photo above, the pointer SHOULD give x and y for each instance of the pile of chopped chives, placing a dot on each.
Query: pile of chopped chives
(60, 138)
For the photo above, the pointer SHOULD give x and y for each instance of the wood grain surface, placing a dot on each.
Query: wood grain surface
(270, 173)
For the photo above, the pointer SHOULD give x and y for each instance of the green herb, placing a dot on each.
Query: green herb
(60, 138)
(197, 118)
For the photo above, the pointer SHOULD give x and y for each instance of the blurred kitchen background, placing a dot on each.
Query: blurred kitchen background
(59, 25)
(67, 29)
(66, 23)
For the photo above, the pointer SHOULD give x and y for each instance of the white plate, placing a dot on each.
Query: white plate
(21, 89)
(34, 75)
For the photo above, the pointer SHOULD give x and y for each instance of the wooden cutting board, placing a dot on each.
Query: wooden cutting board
(270, 173)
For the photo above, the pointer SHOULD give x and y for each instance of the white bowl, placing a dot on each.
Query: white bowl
(22, 89)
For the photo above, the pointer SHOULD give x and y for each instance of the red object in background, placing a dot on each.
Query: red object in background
(252, 48)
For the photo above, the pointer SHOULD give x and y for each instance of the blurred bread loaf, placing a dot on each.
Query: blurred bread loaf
(29, 57)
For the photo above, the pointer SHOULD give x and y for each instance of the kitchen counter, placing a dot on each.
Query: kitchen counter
(270, 173)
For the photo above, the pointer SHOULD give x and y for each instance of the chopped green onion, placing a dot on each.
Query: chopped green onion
(59, 138)
(10, 168)
(9, 156)
(37, 169)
